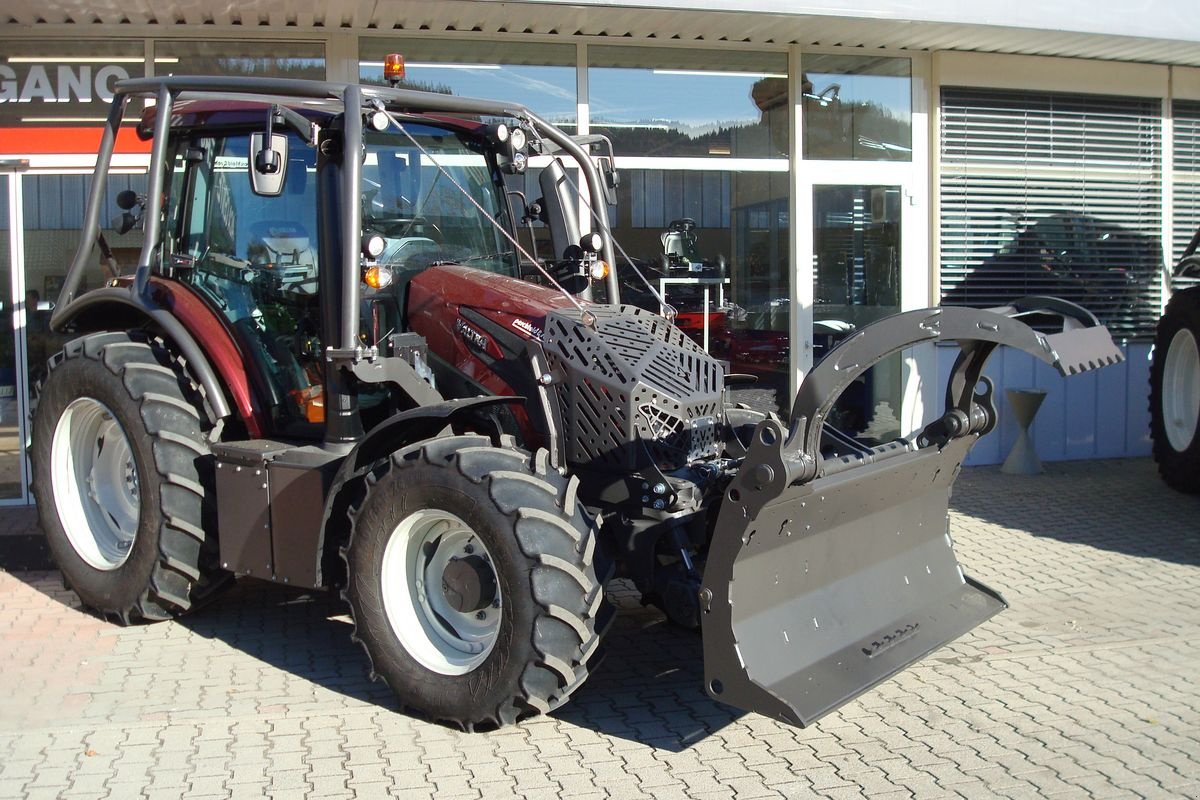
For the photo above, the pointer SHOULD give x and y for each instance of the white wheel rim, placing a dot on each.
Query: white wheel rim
(439, 637)
(1181, 390)
(95, 483)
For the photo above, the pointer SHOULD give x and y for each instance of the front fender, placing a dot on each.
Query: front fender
(187, 321)
(400, 430)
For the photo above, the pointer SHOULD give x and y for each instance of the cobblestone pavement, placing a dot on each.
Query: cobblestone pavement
(1089, 686)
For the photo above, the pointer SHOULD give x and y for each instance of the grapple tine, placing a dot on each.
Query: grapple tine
(1083, 349)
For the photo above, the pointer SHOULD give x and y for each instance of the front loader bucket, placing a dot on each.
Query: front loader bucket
(827, 576)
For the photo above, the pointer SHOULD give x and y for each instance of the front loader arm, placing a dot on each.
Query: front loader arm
(825, 577)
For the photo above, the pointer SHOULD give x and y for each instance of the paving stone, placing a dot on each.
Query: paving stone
(1085, 687)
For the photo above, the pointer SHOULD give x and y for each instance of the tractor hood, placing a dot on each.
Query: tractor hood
(483, 291)
(447, 304)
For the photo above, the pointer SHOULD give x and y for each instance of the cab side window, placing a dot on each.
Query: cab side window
(255, 259)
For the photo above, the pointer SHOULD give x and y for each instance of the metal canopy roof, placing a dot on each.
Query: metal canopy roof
(623, 22)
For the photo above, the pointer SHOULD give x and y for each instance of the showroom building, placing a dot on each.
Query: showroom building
(838, 167)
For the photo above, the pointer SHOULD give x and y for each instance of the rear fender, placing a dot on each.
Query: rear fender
(825, 578)
(185, 320)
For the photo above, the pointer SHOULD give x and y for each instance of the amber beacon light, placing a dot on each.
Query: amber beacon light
(393, 68)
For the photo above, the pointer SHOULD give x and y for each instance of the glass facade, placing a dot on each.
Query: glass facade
(10, 428)
(857, 108)
(701, 137)
(541, 76)
(50, 84)
(669, 103)
(857, 232)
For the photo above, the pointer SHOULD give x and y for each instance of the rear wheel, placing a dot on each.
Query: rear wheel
(118, 461)
(1175, 393)
(472, 582)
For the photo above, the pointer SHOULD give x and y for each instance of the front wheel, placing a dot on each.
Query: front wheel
(472, 582)
(1175, 393)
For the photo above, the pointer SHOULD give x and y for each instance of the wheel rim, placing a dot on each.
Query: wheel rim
(95, 483)
(1181, 390)
(424, 561)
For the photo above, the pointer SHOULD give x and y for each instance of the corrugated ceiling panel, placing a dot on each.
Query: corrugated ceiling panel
(638, 24)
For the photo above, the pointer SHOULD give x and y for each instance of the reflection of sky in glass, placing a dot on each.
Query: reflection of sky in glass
(548, 91)
(691, 101)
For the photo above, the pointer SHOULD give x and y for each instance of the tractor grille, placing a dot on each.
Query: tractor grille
(633, 377)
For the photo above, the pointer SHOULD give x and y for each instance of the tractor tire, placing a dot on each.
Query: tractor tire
(472, 582)
(1175, 393)
(120, 470)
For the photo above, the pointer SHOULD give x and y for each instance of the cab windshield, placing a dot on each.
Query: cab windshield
(423, 217)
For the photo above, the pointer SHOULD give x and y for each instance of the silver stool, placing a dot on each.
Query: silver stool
(1023, 458)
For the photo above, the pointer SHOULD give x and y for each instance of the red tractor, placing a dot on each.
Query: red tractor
(335, 366)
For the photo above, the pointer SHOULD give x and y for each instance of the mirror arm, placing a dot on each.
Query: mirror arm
(297, 122)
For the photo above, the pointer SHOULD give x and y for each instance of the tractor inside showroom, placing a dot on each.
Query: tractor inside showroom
(336, 365)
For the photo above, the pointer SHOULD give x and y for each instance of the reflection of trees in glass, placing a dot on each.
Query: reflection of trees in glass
(658, 138)
(273, 67)
(862, 130)
(251, 66)
(411, 85)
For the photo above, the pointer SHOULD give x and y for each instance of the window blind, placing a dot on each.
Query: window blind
(1052, 194)
(1186, 114)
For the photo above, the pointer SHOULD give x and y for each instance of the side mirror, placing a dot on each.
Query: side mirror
(610, 179)
(559, 206)
(133, 208)
(126, 222)
(268, 163)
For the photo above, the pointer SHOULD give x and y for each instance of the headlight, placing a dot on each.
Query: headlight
(517, 138)
(373, 246)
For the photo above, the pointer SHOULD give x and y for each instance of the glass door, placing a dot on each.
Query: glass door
(867, 247)
(857, 245)
(12, 462)
(861, 191)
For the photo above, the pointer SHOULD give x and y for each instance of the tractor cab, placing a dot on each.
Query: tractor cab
(253, 243)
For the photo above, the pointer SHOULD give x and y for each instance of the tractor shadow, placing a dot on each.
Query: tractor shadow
(25, 552)
(648, 689)
(1118, 505)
